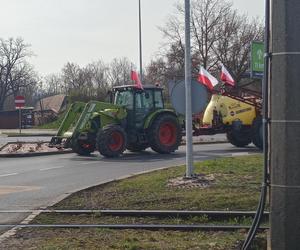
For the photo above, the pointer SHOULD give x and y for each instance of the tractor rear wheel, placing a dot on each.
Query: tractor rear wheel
(111, 141)
(137, 147)
(164, 135)
(83, 147)
(239, 138)
(257, 128)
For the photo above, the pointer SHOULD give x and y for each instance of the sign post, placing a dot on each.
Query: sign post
(20, 103)
(257, 59)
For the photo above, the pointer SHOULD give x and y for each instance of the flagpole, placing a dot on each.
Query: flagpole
(188, 93)
(140, 41)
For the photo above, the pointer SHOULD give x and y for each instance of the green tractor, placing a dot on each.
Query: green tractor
(135, 120)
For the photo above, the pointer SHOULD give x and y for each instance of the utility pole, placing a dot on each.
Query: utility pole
(140, 41)
(188, 93)
(285, 126)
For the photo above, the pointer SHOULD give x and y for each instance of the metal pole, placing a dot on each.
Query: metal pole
(285, 125)
(140, 41)
(188, 94)
(265, 89)
(20, 120)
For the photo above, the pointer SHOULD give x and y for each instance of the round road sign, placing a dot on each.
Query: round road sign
(20, 101)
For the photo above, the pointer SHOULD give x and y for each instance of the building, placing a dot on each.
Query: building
(10, 119)
(47, 109)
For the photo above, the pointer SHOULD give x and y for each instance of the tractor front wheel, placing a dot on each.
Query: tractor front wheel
(111, 141)
(83, 147)
(239, 138)
(164, 135)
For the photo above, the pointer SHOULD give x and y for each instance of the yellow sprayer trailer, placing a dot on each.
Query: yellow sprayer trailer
(238, 114)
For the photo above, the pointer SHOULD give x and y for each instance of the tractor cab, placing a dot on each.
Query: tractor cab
(139, 103)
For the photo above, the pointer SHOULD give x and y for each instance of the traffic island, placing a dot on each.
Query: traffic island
(41, 148)
(231, 184)
(27, 149)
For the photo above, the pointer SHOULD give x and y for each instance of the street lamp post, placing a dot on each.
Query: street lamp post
(140, 41)
(188, 93)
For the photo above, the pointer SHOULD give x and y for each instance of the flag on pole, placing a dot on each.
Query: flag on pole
(136, 79)
(207, 79)
(226, 77)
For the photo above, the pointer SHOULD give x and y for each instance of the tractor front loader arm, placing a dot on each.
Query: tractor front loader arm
(77, 122)
(69, 120)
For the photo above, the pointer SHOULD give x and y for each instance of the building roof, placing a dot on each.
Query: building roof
(54, 103)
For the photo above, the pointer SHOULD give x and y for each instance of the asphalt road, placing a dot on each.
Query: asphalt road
(32, 183)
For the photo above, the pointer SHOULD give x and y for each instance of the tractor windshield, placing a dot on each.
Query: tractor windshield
(124, 98)
(144, 100)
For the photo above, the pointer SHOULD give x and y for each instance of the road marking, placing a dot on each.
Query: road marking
(5, 175)
(16, 189)
(46, 169)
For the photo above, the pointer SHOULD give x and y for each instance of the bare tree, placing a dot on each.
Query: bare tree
(84, 83)
(99, 77)
(173, 47)
(16, 73)
(90, 82)
(219, 34)
(207, 19)
(53, 85)
(73, 77)
(156, 72)
(119, 72)
(233, 45)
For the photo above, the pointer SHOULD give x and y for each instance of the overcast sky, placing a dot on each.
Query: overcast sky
(83, 31)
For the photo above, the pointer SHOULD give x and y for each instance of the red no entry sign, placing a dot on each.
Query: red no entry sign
(20, 101)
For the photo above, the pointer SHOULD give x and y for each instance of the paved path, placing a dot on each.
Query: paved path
(31, 183)
(4, 140)
(49, 132)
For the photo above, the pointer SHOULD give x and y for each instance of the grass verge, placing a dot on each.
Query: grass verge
(236, 186)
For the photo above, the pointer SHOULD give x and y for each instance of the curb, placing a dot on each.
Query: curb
(3, 146)
(29, 154)
(205, 142)
(29, 135)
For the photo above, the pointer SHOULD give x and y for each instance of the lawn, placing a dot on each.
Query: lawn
(235, 185)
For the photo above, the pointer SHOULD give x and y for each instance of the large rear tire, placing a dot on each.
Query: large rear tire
(164, 135)
(83, 147)
(111, 141)
(239, 138)
(257, 128)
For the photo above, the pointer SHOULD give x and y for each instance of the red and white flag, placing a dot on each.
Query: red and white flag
(136, 79)
(226, 77)
(207, 79)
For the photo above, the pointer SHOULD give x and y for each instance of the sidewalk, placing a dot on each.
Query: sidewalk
(27, 132)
